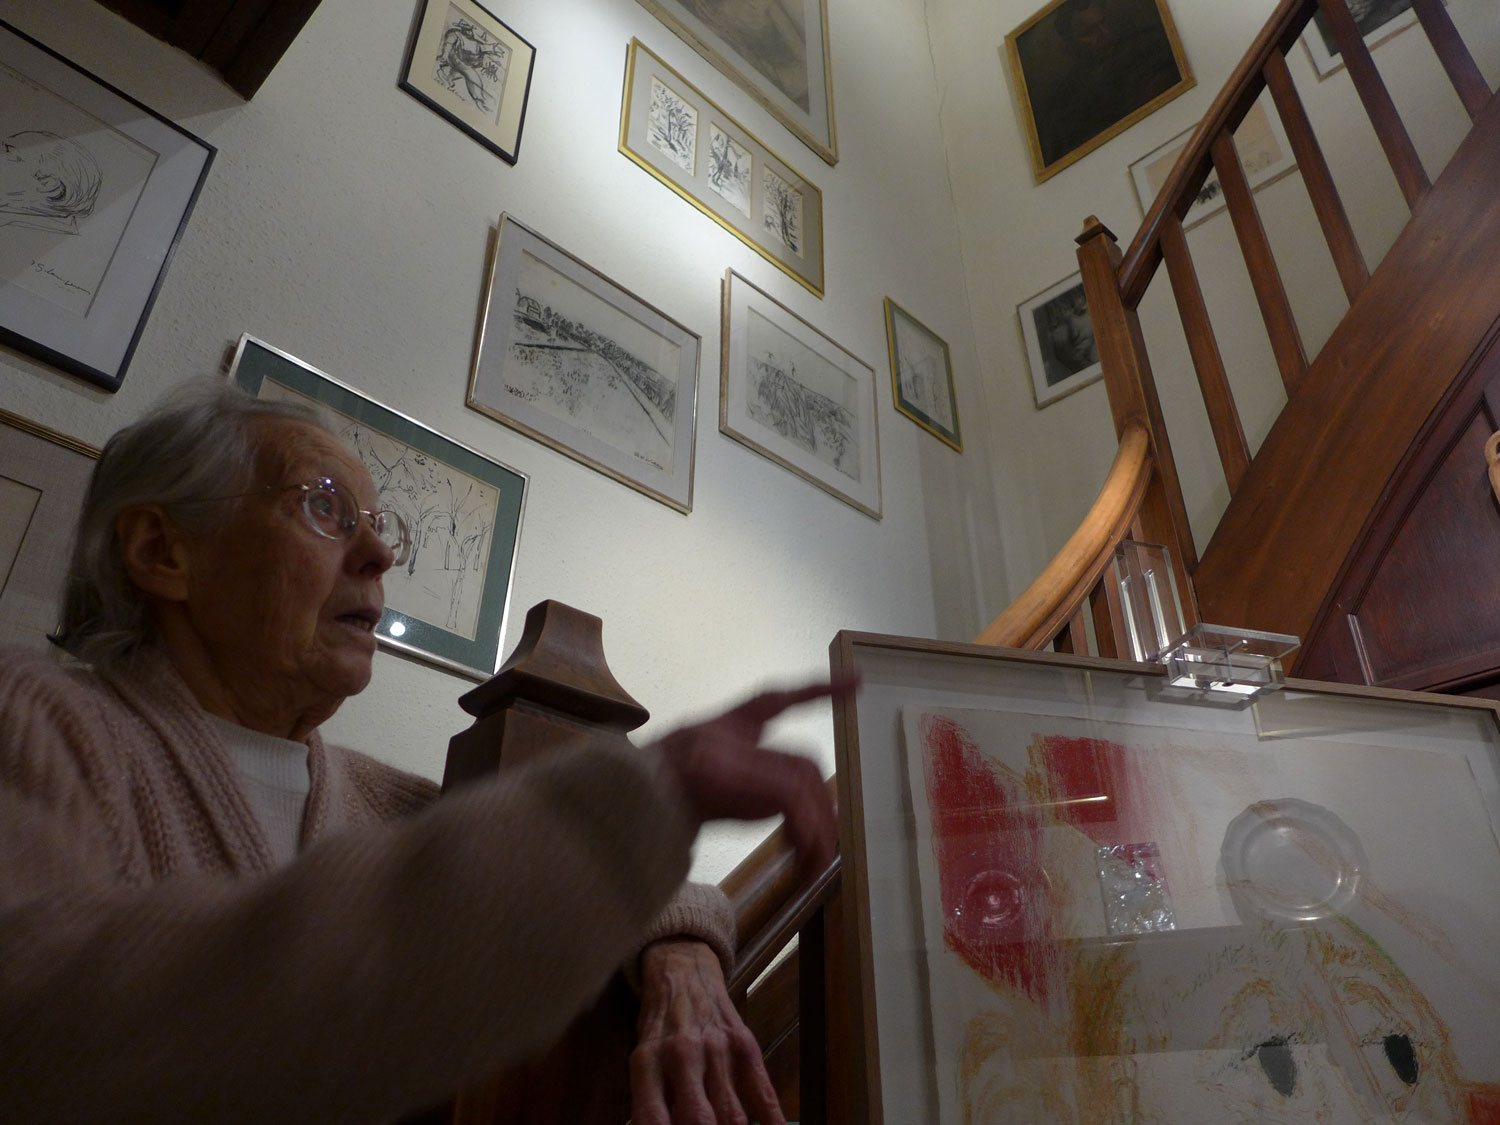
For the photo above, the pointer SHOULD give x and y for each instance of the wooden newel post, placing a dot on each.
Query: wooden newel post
(1132, 399)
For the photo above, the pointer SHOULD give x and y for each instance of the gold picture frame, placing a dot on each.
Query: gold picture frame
(922, 375)
(1087, 70)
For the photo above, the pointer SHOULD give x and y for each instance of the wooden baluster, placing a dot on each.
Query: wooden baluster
(1472, 89)
(1073, 637)
(1133, 398)
(1265, 278)
(1218, 399)
(1327, 205)
(1104, 604)
(1399, 150)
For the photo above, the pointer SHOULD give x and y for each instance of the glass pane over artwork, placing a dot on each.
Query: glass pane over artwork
(1087, 903)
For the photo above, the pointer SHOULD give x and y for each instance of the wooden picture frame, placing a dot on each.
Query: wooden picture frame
(468, 65)
(1264, 150)
(1380, 21)
(1062, 885)
(1086, 70)
(670, 129)
(576, 361)
(789, 392)
(922, 375)
(776, 52)
(448, 603)
(1059, 339)
(44, 477)
(93, 221)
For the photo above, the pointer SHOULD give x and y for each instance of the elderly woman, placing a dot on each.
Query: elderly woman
(207, 913)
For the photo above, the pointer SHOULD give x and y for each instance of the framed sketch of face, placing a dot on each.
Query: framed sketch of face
(1059, 338)
(922, 375)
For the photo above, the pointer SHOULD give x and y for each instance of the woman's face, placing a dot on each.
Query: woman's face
(288, 615)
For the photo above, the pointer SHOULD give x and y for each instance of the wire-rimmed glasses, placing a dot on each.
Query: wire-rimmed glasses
(333, 512)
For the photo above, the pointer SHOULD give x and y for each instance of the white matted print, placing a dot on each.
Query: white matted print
(1059, 338)
(729, 168)
(792, 394)
(672, 127)
(1265, 153)
(574, 360)
(1377, 21)
(922, 375)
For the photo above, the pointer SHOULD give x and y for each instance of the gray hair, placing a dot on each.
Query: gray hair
(196, 443)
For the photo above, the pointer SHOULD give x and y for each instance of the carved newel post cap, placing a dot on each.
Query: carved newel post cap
(1092, 227)
(559, 664)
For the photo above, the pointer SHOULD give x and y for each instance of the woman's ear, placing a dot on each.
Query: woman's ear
(153, 551)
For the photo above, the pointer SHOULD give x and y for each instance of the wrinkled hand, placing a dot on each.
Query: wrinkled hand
(726, 774)
(696, 1063)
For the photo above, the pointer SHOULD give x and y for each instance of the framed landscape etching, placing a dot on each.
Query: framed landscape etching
(775, 50)
(793, 395)
(1059, 339)
(1264, 150)
(447, 603)
(1086, 70)
(1377, 21)
(576, 361)
(922, 375)
(670, 128)
(467, 65)
(97, 194)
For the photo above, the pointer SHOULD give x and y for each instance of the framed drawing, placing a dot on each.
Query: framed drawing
(669, 128)
(467, 65)
(1087, 70)
(581, 364)
(1059, 340)
(1377, 21)
(1264, 151)
(775, 50)
(447, 603)
(922, 375)
(44, 476)
(97, 191)
(1070, 891)
(793, 395)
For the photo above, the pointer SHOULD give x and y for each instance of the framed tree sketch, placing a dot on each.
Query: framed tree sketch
(467, 65)
(44, 476)
(1377, 21)
(581, 364)
(669, 128)
(794, 396)
(922, 375)
(97, 193)
(447, 603)
(1076, 897)
(775, 50)
(1086, 70)
(1264, 150)
(1059, 340)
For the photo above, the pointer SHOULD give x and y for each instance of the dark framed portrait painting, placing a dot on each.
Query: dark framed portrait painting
(1087, 70)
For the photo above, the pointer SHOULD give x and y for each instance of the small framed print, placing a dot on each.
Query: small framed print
(794, 396)
(1377, 21)
(1059, 341)
(447, 603)
(670, 129)
(581, 364)
(467, 65)
(101, 193)
(922, 375)
(1264, 150)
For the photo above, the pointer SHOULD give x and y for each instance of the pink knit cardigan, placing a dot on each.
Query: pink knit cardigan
(153, 966)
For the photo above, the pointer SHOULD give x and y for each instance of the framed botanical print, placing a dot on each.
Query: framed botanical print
(775, 50)
(1086, 70)
(447, 603)
(467, 65)
(794, 396)
(922, 375)
(581, 364)
(1059, 339)
(97, 193)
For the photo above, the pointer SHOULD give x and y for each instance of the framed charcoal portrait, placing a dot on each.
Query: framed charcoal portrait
(1377, 21)
(467, 65)
(796, 397)
(447, 603)
(576, 361)
(1087, 70)
(1059, 338)
(774, 50)
(922, 375)
(95, 192)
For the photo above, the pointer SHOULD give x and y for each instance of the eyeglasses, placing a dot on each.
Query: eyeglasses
(333, 513)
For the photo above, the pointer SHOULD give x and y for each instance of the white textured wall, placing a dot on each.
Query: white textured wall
(346, 223)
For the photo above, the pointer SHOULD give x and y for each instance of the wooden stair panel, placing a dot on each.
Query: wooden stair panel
(1283, 539)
